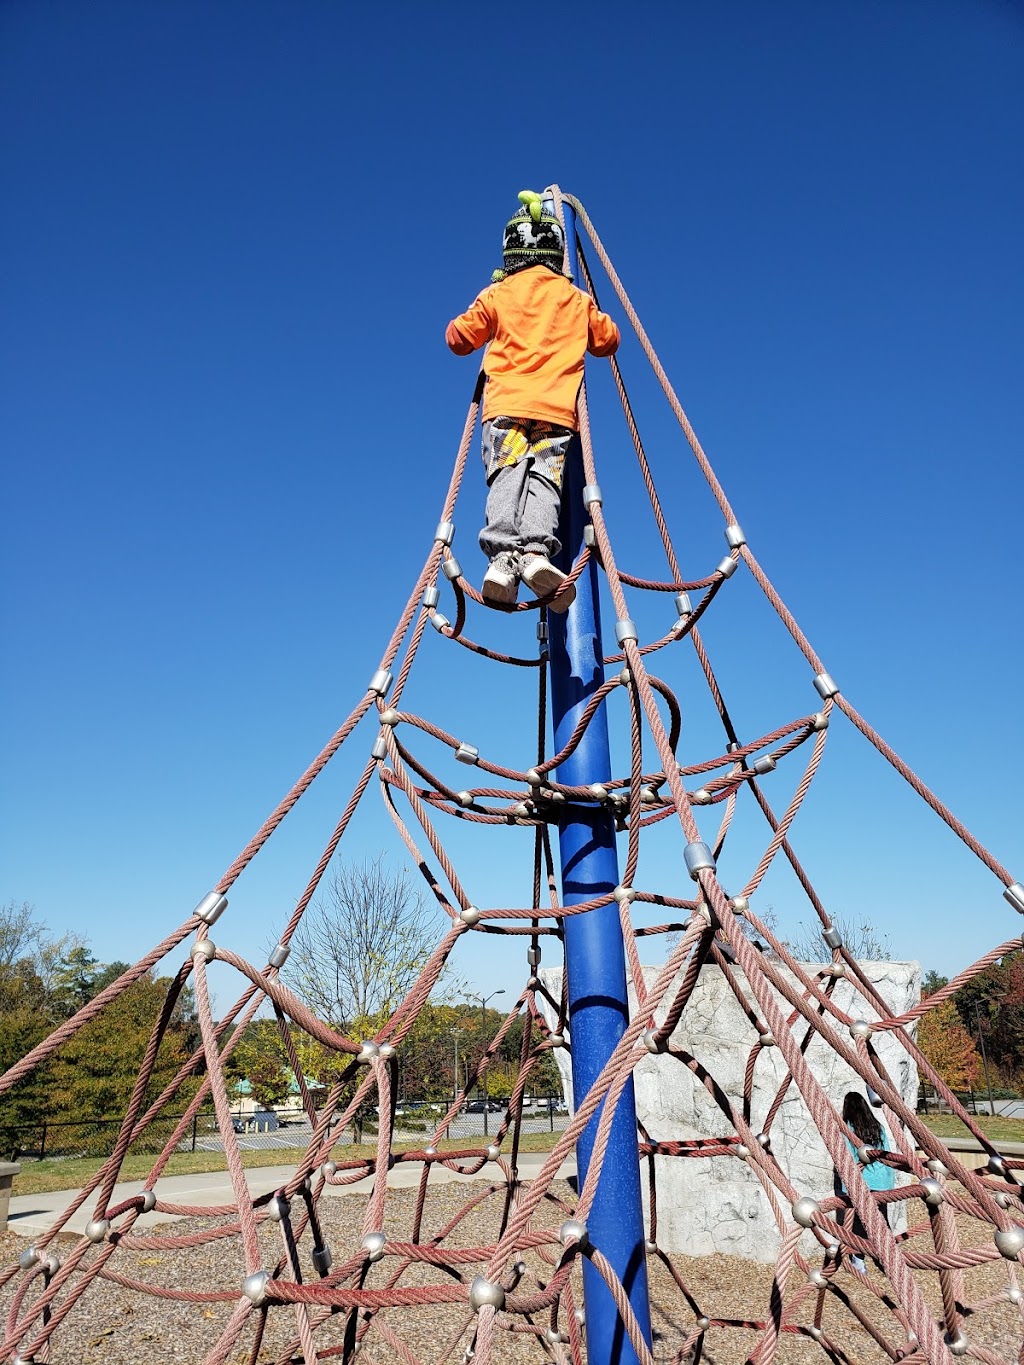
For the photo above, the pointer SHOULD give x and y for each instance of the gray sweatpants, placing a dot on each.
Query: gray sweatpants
(523, 460)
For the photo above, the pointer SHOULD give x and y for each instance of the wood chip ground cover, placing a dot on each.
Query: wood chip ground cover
(113, 1323)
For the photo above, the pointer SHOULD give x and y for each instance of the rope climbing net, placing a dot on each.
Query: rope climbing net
(287, 1293)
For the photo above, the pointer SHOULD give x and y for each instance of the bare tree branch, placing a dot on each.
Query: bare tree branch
(20, 933)
(861, 939)
(361, 945)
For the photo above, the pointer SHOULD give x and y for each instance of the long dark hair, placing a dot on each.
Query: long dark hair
(857, 1115)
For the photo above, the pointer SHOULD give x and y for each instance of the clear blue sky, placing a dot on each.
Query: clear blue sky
(232, 236)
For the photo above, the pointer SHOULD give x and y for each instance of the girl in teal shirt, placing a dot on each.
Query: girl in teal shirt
(859, 1118)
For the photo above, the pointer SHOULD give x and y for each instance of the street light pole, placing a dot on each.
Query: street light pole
(455, 1069)
(483, 1029)
(984, 1058)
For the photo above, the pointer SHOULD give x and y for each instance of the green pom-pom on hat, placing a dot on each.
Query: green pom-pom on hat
(531, 200)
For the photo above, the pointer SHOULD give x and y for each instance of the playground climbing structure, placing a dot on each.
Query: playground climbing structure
(520, 1291)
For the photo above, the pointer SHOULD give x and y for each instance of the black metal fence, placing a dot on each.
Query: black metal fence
(999, 1101)
(263, 1129)
(66, 1140)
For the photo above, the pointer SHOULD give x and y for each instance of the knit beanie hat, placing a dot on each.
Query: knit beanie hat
(532, 237)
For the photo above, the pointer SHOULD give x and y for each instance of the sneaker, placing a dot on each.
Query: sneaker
(542, 578)
(501, 581)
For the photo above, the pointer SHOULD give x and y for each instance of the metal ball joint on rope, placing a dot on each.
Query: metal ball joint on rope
(527, 1278)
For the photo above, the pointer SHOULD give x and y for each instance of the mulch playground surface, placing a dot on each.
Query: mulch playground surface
(114, 1324)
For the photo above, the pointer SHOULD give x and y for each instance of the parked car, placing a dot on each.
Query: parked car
(260, 1121)
(484, 1107)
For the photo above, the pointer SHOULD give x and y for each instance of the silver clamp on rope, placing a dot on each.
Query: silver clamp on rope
(484, 1293)
(625, 630)
(682, 601)
(1010, 1241)
(734, 537)
(279, 956)
(204, 948)
(698, 858)
(381, 682)
(805, 1210)
(445, 532)
(451, 568)
(727, 567)
(431, 596)
(574, 1231)
(591, 494)
(1015, 895)
(439, 622)
(380, 748)
(589, 535)
(278, 1208)
(254, 1287)
(211, 907)
(468, 753)
(825, 685)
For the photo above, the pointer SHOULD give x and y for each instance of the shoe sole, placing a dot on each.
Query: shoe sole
(545, 581)
(503, 593)
(564, 600)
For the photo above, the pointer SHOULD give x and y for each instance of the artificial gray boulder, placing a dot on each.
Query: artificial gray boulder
(716, 1204)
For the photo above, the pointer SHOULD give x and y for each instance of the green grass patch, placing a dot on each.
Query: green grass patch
(42, 1177)
(996, 1129)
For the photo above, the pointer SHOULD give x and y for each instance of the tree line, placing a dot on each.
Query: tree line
(980, 1025)
(356, 954)
(975, 1039)
(44, 980)
(439, 1056)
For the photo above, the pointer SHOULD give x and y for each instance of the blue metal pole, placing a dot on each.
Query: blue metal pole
(594, 955)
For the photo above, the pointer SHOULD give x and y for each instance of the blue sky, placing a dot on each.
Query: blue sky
(232, 236)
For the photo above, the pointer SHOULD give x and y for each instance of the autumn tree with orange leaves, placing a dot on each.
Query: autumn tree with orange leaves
(949, 1047)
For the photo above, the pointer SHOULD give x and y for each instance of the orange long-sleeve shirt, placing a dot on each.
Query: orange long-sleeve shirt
(540, 327)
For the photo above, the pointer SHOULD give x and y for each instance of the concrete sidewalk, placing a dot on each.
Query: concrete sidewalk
(33, 1214)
